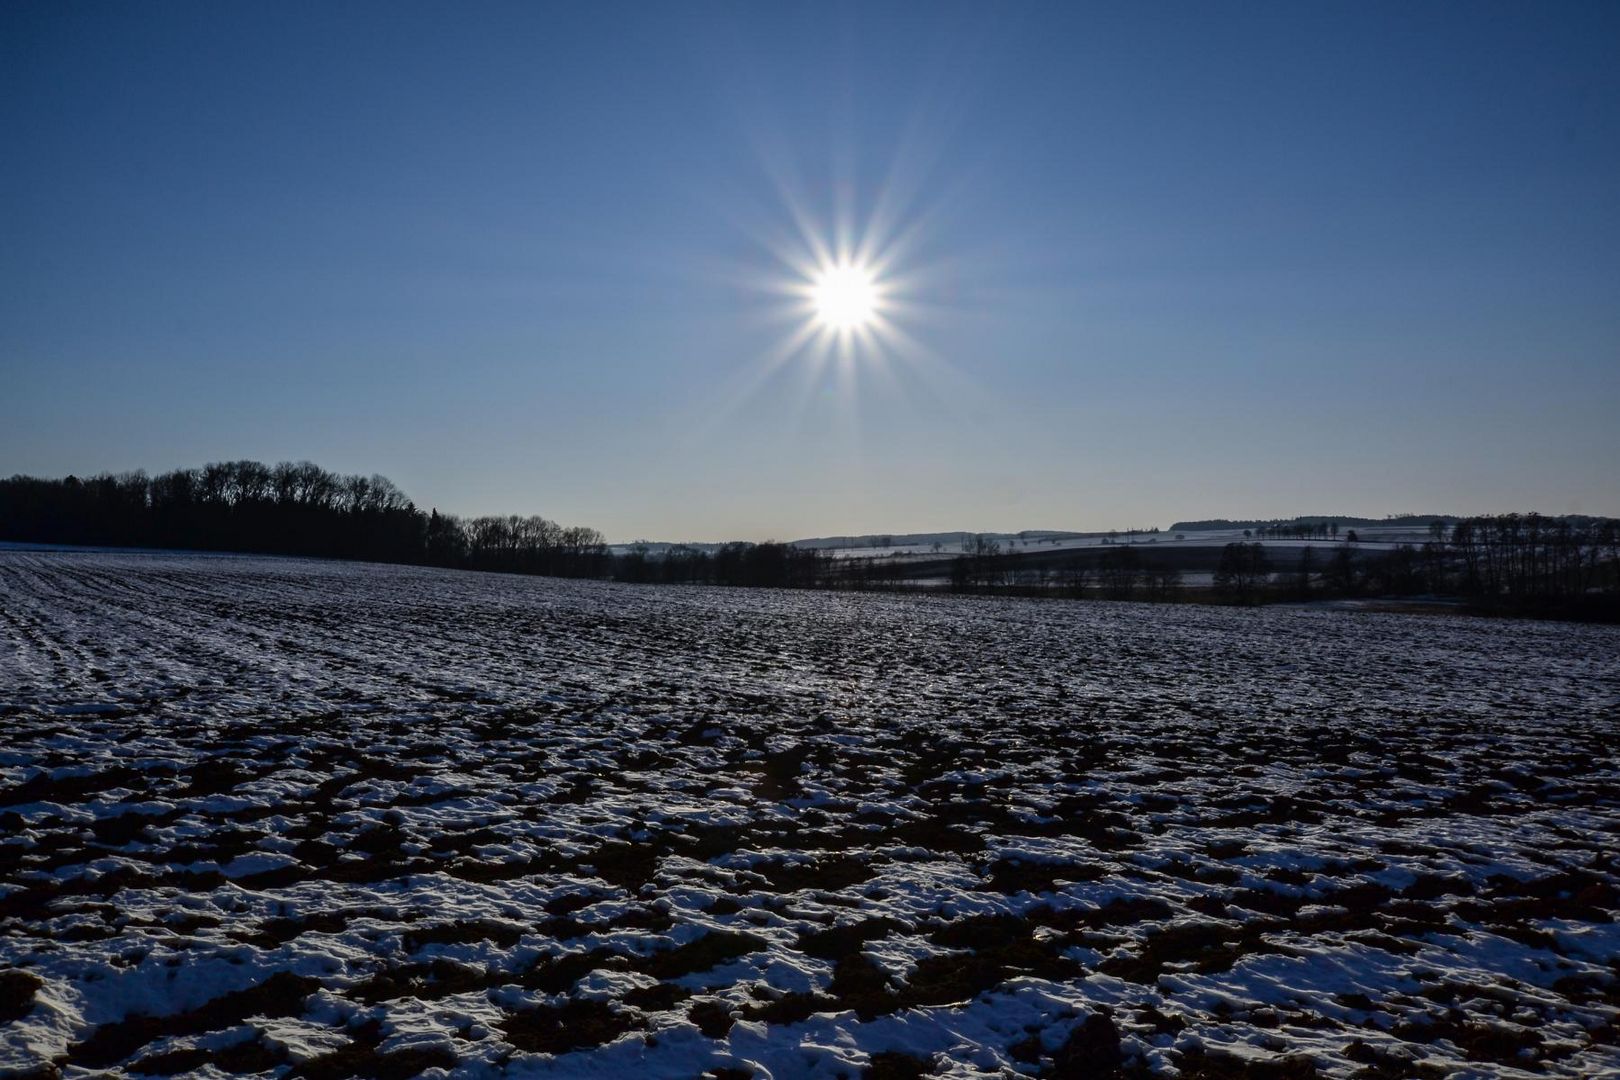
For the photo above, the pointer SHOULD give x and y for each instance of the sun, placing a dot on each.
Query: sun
(845, 296)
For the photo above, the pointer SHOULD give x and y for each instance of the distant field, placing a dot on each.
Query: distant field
(1376, 538)
(300, 818)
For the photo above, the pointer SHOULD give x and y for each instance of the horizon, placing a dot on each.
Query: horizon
(792, 273)
(1236, 520)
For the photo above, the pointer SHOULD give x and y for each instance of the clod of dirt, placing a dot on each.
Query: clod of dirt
(574, 1025)
(1091, 1050)
(895, 1065)
(17, 989)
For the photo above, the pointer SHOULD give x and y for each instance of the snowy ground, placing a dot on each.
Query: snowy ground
(303, 818)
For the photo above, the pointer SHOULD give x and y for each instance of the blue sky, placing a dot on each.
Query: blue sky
(1149, 261)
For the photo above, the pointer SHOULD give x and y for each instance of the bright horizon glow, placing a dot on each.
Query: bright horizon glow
(846, 297)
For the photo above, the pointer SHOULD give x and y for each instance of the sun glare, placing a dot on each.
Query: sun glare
(845, 296)
(848, 295)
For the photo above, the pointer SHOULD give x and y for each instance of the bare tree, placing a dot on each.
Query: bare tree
(1243, 569)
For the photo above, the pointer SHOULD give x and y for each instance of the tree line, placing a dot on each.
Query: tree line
(1311, 523)
(767, 565)
(302, 509)
(285, 509)
(1507, 563)
(1504, 564)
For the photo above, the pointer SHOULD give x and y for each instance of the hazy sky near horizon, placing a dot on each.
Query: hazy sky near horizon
(1144, 262)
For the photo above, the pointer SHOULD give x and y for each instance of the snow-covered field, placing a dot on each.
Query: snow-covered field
(315, 819)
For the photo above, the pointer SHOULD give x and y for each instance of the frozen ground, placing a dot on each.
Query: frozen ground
(302, 818)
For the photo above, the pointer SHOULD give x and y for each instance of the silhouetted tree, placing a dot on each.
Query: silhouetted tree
(1307, 568)
(1119, 571)
(978, 564)
(1163, 583)
(1340, 576)
(1243, 569)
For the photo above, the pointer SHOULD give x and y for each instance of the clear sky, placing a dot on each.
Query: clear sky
(1138, 262)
